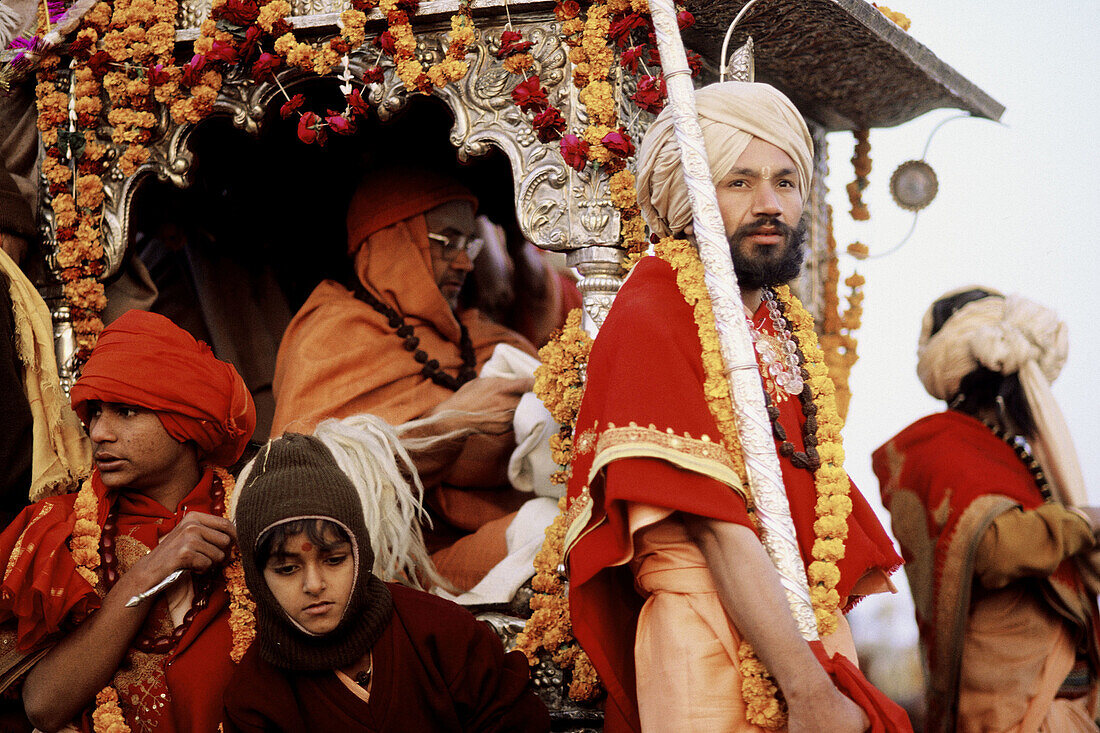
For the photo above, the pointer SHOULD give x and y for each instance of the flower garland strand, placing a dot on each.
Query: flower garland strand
(559, 383)
(84, 546)
(833, 504)
(838, 329)
(861, 163)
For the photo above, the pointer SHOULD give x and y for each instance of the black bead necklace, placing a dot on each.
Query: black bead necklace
(1019, 445)
(807, 459)
(430, 368)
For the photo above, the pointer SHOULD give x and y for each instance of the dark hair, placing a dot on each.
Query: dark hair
(947, 306)
(981, 388)
(324, 533)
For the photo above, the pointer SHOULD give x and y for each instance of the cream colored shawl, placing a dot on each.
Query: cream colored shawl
(731, 114)
(62, 454)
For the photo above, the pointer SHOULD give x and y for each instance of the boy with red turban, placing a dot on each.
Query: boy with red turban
(165, 418)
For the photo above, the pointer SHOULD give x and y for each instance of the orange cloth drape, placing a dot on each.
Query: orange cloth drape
(340, 357)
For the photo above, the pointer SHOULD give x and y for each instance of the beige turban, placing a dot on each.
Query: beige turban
(1009, 335)
(999, 333)
(731, 114)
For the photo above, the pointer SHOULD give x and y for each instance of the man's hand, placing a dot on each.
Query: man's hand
(806, 709)
(198, 543)
(491, 401)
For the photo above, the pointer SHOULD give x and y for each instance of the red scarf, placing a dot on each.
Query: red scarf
(46, 596)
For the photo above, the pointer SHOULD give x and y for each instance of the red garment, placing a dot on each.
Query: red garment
(650, 342)
(945, 479)
(144, 359)
(45, 595)
(435, 668)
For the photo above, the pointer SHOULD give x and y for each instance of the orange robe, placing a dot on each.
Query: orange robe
(45, 597)
(341, 357)
(1002, 610)
(646, 446)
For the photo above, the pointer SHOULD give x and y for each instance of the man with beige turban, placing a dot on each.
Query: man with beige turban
(986, 499)
(672, 594)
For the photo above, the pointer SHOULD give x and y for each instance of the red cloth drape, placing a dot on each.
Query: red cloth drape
(646, 368)
(45, 595)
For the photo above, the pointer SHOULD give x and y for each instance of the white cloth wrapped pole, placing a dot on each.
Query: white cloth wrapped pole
(738, 354)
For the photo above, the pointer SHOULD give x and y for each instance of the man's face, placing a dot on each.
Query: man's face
(312, 584)
(454, 222)
(761, 207)
(132, 450)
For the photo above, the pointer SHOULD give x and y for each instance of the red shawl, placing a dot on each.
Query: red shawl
(46, 597)
(944, 479)
(646, 371)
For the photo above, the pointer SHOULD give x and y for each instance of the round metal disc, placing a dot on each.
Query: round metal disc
(914, 185)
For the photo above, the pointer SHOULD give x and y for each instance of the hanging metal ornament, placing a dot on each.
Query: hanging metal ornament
(914, 185)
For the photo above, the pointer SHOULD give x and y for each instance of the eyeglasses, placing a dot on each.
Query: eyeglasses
(452, 244)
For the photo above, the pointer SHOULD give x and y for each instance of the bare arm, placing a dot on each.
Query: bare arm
(69, 676)
(749, 589)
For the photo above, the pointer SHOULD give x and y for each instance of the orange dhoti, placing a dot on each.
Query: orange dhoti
(690, 679)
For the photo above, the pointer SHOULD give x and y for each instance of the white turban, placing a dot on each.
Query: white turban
(1009, 335)
(731, 115)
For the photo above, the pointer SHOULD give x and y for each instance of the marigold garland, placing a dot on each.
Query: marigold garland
(838, 329)
(84, 547)
(861, 163)
(833, 504)
(559, 383)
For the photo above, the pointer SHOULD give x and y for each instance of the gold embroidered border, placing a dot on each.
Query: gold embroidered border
(701, 455)
(953, 602)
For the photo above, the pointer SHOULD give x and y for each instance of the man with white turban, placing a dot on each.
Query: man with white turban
(672, 594)
(985, 499)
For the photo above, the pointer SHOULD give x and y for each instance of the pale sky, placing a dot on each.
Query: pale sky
(1016, 211)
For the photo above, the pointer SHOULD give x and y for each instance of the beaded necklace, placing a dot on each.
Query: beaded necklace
(203, 583)
(790, 376)
(431, 369)
(1018, 444)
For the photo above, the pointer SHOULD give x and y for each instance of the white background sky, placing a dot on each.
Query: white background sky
(1017, 211)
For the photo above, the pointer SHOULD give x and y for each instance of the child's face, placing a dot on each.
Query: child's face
(311, 583)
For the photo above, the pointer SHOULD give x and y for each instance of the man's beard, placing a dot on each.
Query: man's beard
(757, 267)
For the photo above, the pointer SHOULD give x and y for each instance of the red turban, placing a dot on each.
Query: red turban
(144, 359)
(386, 196)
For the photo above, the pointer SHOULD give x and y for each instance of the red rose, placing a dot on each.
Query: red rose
(98, 62)
(529, 95)
(222, 52)
(292, 105)
(575, 152)
(265, 66)
(158, 75)
(549, 125)
(651, 94)
(373, 75)
(80, 45)
(307, 133)
(385, 40)
(191, 69)
(512, 43)
(357, 104)
(239, 12)
(251, 36)
(631, 57)
(338, 123)
(695, 63)
(621, 28)
(619, 143)
(685, 20)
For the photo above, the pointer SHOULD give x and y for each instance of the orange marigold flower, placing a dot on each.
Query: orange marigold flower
(519, 63)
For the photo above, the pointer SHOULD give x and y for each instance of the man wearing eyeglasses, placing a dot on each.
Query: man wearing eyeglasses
(396, 343)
